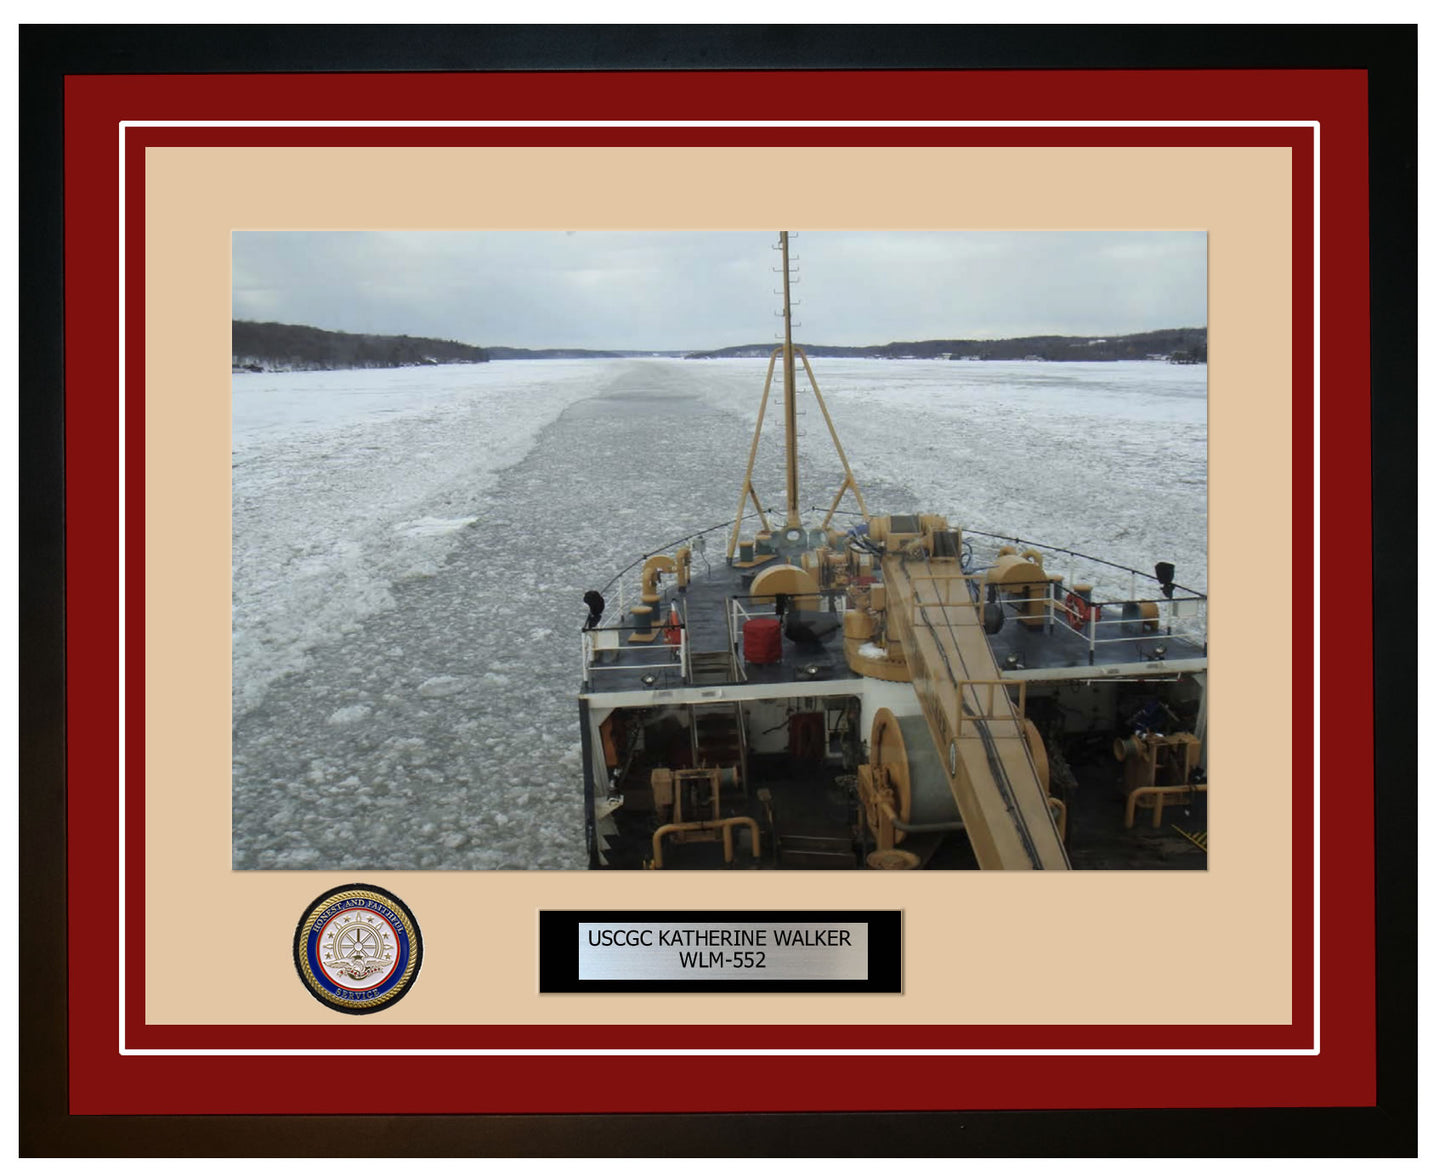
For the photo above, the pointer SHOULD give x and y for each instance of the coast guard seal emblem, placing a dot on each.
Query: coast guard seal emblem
(357, 948)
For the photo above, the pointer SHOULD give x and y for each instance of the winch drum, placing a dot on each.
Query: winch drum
(902, 745)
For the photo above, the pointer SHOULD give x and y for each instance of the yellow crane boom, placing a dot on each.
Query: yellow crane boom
(978, 733)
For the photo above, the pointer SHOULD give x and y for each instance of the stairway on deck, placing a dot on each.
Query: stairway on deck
(717, 736)
(711, 667)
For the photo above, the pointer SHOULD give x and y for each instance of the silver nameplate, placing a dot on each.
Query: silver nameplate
(746, 950)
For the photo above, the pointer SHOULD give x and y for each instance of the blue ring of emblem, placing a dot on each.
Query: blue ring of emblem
(357, 948)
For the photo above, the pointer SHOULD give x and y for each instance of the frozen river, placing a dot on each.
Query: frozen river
(410, 549)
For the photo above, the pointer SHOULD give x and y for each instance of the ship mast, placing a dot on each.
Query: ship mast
(793, 527)
(790, 390)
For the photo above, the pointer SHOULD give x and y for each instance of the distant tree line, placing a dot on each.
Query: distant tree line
(286, 347)
(1188, 344)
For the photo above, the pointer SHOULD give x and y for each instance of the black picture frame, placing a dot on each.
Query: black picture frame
(49, 53)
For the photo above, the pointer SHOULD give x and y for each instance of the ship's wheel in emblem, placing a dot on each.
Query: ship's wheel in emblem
(358, 943)
(357, 948)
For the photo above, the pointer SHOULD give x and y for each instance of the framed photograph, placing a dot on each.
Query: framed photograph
(601, 592)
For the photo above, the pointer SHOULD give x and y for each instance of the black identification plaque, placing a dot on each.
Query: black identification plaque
(721, 951)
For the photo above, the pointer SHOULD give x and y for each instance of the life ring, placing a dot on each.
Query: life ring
(1079, 611)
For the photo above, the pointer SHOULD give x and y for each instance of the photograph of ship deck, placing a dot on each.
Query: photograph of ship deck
(811, 603)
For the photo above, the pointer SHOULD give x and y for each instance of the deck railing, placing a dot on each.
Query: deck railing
(612, 639)
(751, 608)
(625, 588)
(1097, 623)
(1116, 588)
(1183, 615)
(742, 609)
(1120, 622)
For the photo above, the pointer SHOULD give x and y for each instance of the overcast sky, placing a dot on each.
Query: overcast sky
(702, 290)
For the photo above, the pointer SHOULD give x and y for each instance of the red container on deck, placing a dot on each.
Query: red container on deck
(762, 641)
